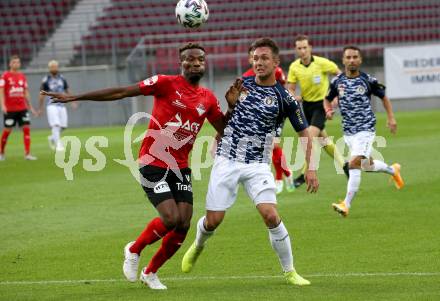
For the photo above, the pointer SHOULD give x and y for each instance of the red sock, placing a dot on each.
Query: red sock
(276, 161)
(5, 136)
(284, 167)
(27, 139)
(170, 244)
(154, 231)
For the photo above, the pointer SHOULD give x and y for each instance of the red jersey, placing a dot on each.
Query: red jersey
(279, 75)
(14, 85)
(179, 111)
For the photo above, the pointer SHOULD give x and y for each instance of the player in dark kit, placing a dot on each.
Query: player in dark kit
(180, 108)
(15, 104)
(278, 159)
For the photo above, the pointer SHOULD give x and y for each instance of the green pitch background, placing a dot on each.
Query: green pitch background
(63, 240)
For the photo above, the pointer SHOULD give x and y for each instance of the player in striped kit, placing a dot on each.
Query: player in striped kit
(243, 156)
(354, 89)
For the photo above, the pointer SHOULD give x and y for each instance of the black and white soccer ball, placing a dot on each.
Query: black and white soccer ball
(192, 13)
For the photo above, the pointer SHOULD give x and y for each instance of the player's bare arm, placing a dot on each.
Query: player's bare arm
(2, 100)
(97, 95)
(310, 175)
(40, 104)
(391, 121)
(328, 108)
(28, 102)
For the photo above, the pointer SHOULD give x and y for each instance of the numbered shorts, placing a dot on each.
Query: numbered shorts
(314, 113)
(226, 175)
(57, 115)
(162, 184)
(360, 144)
(21, 118)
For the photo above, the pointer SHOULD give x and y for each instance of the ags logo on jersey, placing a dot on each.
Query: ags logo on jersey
(187, 125)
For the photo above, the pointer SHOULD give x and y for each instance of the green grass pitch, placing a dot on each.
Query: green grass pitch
(63, 240)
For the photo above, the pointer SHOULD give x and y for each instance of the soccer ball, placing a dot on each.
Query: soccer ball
(192, 13)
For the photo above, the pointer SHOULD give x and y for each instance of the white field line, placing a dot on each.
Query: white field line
(198, 278)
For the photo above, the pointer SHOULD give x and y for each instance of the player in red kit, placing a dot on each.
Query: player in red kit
(278, 158)
(180, 107)
(15, 102)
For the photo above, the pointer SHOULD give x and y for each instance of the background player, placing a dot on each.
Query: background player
(180, 107)
(354, 89)
(56, 112)
(16, 104)
(311, 73)
(278, 158)
(257, 114)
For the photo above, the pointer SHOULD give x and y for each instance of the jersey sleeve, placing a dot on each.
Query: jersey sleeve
(293, 111)
(44, 84)
(153, 85)
(214, 111)
(332, 90)
(329, 66)
(66, 85)
(291, 75)
(377, 88)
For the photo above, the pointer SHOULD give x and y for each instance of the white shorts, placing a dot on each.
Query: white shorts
(226, 174)
(360, 144)
(57, 116)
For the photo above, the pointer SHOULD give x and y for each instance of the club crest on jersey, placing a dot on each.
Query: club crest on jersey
(269, 100)
(20, 82)
(360, 90)
(151, 81)
(201, 109)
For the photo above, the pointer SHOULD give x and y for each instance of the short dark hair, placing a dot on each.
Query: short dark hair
(191, 45)
(14, 57)
(266, 42)
(351, 47)
(302, 37)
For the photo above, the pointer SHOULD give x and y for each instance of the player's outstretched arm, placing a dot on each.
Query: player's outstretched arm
(98, 95)
(310, 175)
(391, 121)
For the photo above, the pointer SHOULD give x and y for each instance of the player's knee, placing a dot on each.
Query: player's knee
(356, 162)
(212, 222)
(271, 218)
(170, 219)
(183, 225)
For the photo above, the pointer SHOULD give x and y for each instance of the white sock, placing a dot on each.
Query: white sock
(280, 241)
(354, 181)
(380, 166)
(202, 234)
(56, 133)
